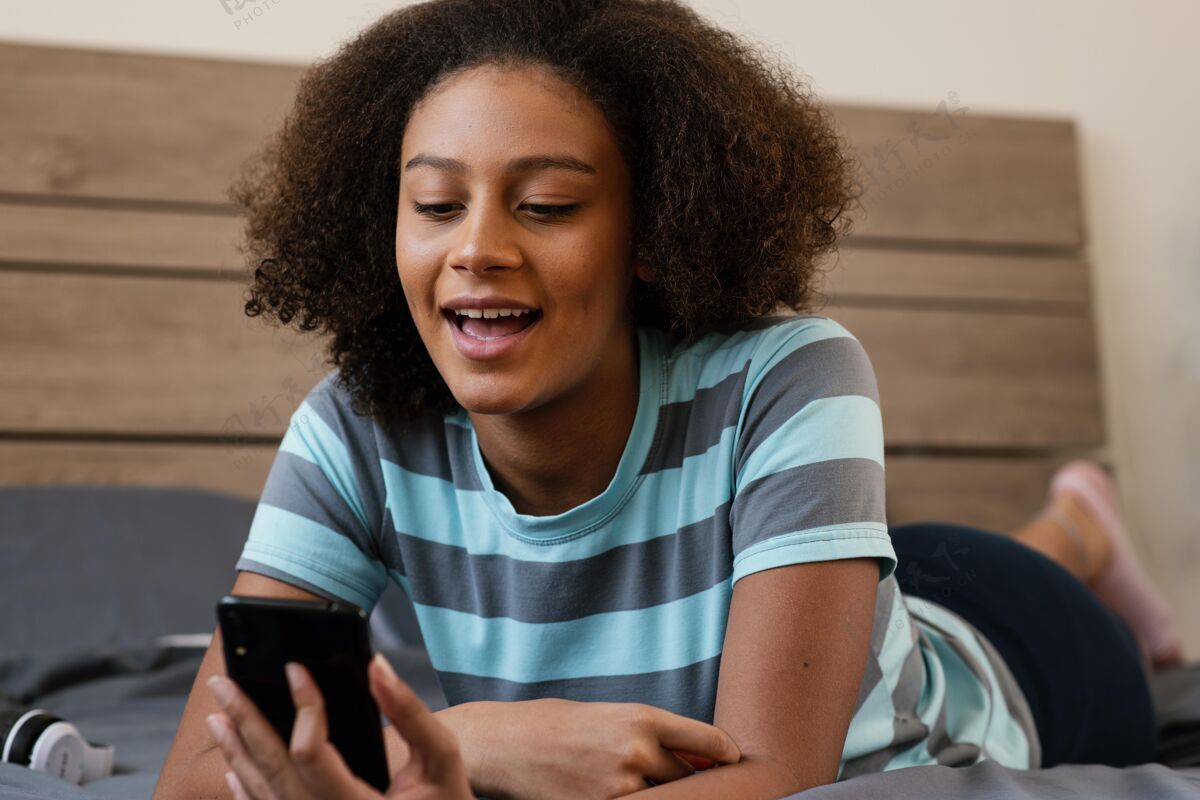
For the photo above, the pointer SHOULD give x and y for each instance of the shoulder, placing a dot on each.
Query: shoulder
(799, 351)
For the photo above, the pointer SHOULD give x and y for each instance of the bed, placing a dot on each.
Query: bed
(142, 410)
(112, 646)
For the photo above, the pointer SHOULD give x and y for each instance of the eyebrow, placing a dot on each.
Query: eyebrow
(524, 164)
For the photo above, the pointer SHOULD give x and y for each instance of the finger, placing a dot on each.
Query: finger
(318, 762)
(415, 723)
(666, 767)
(261, 743)
(235, 786)
(697, 762)
(250, 778)
(692, 736)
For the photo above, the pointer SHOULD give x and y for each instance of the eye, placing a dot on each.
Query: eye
(436, 210)
(431, 209)
(552, 212)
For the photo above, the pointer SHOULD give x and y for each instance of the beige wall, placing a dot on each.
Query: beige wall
(1124, 72)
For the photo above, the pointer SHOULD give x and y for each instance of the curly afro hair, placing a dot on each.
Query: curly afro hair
(740, 182)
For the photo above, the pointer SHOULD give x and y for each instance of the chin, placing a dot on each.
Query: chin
(482, 398)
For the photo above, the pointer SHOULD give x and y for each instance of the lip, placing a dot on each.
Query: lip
(477, 350)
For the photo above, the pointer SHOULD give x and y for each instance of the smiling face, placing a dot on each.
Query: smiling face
(512, 186)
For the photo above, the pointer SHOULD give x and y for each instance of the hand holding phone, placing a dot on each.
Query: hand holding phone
(260, 635)
(310, 767)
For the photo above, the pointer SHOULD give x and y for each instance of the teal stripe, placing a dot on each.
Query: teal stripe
(310, 437)
(663, 637)
(335, 563)
(871, 728)
(846, 426)
(668, 500)
(826, 543)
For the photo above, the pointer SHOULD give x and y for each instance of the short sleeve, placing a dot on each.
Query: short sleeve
(808, 471)
(317, 523)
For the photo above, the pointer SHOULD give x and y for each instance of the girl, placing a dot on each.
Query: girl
(565, 250)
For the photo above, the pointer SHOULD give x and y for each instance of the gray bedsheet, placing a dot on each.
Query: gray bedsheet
(142, 563)
(133, 699)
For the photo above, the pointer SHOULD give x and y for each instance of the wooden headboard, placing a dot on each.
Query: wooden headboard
(127, 358)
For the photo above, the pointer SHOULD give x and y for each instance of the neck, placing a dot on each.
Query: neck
(562, 454)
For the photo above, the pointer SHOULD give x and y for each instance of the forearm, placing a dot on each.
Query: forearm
(748, 779)
(202, 778)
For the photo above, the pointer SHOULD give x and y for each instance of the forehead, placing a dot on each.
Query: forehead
(490, 114)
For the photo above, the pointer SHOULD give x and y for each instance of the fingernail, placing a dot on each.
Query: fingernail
(295, 676)
(215, 727)
(385, 666)
(222, 688)
(234, 784)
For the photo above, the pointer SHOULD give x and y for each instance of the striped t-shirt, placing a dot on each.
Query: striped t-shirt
(752, 448)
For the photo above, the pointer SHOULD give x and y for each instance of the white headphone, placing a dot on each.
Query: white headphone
(39, 740)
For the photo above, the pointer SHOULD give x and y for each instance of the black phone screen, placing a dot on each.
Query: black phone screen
(259, 635)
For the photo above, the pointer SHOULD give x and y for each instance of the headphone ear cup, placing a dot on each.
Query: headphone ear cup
(8, 718)
(35, 738)
(22, 734)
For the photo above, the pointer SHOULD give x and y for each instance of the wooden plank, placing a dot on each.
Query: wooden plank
(237, 469)
(158, 355)
(105, 237)
(87, 123)
(920, 277)
(952, 174)
(92, 123)
(146, 355)
(981, 379)
(997, 494)
(99, 237)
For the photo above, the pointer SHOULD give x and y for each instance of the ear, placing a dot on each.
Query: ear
(645, 272)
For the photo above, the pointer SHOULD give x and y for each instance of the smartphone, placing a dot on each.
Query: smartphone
(261, 634)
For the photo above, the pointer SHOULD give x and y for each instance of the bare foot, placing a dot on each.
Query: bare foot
(1120, 584)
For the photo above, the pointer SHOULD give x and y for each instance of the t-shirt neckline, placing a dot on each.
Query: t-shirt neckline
(592, 513)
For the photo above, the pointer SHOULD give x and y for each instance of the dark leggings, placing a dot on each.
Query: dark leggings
(1076, 662)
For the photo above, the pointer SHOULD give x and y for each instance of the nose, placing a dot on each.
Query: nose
(486, 241)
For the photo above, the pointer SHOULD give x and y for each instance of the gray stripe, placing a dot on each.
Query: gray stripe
(828, 368)
(824, 368)
(824, 493)
(389, 544)
(249, 565)
(622, 578)
(871, 678)
(872, 762)
(333, 404)
(297, 485)
(691, 427)
(948, 752)
(907, 726)
(462, 458)
(885, 599)
(689, 691)
(420, 447)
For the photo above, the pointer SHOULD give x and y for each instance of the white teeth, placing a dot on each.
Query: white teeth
(492, 313)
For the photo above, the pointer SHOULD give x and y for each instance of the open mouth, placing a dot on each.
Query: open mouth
(488, 329)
